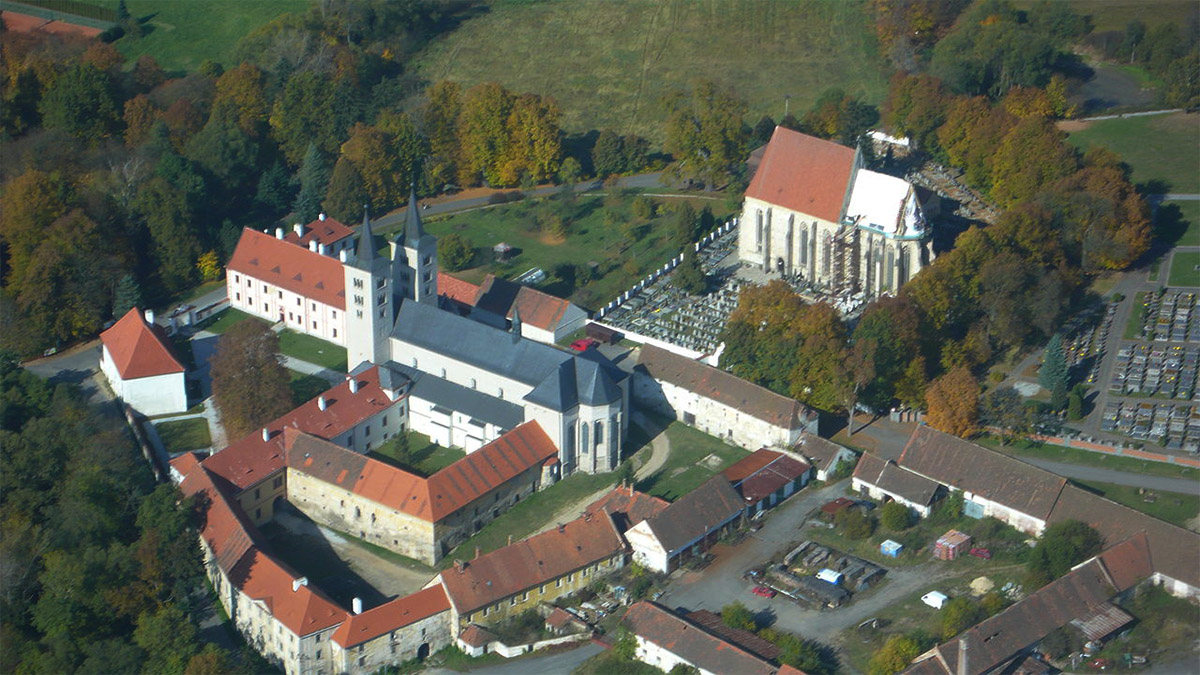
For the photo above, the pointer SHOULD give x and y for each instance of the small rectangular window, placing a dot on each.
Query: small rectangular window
(334, 332)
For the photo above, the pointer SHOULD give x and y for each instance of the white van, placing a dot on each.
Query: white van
(935, 599)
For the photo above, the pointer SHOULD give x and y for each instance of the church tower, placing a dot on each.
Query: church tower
(370, 307)
(414, 258)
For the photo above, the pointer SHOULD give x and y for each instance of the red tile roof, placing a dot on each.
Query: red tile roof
(138, 349)
(712, 622)
(539, 309)
(722, 387)
(628, 507)
(805, 174)
(539, 559)
(328, 231)
(283, 264)
(252, 459)
(691, 642)
(302, 609)
(462, 292)
(476, 636)
(763, 473)
(390, 616)
(223, 526)
(430, 499)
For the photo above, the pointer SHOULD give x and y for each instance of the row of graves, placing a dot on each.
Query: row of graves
(1176, 426)
(657, 309)
(1171, 317)
(1144, 369)
(1085, 346)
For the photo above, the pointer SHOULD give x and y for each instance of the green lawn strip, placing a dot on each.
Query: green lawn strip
(610, 64)
(184, 435)
(222, 321)
(608, 663)
(1179, 222)
(1155, 267)
(312, 350)
(685, 469)
(1172, 507)
(424, 457)
(618, 262)
(1137, 318)
(183, 34)
(305, 387)
(457, 660)
(1058, 453)
(1183, 269)
(530, 514)
(1161, 148)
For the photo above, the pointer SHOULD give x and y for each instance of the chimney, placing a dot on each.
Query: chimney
(562, 528)
(321, 404)
(279, 233)
(962, 656)
(321, 217)
(312, 245)
(323, 249)
(478, 552)
(353, 385)
(299, 229)
(266, 434)
(297, 583)
(458, 566)
(149, 316)
(510, 540)
(342, 255)
(357, 605)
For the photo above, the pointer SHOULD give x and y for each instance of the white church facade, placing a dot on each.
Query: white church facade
(813, 213)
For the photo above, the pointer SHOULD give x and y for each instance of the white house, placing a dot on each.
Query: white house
(686, 528)
(718, 403)
(665, 640)
(141, 367)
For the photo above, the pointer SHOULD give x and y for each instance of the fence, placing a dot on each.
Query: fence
(1117, 451)
(509, 652)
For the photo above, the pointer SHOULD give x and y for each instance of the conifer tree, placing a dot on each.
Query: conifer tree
(314, 179)
(1054, 374)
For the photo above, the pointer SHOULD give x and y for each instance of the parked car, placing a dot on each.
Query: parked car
(763, 592)
(583, 344)
(981, 553)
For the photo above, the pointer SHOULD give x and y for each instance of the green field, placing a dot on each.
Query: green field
(1172, 507)
(184, 435)
(1137, 318)
(305, 387)
(1164, 149)
(1057, 453)
(609, 63)
(224, 320)
(589, 239)
(1179, 222)
(686, 468)
(424, 456)
(1183, 269)
(184, 33)
(313, 350)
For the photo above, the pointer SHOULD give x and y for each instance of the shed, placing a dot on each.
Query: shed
(502, 251)
(950, 545)
(602, 334)
(891, 548)
(832, 508)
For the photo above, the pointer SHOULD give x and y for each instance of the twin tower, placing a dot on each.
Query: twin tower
(375, 285)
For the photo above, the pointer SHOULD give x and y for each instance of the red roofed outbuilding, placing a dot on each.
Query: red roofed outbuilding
(141, 367)
(766, 478)
(409, 627)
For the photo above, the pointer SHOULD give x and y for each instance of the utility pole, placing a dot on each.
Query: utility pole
(787, 101)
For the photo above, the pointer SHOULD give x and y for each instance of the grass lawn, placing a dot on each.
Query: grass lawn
(1083, 457)
(184, 435)
(222, 321)
(686, 468)
(313, 350)
(1160, 148)
(588, 240)
(530, 514)
(306, 387)
(608, 64)
(1137, 319)
(184, 33)
(424, 457)
(1178, 222)
(1183, 269)
(1172, 507)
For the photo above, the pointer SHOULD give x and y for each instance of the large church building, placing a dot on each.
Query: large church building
(813, 213)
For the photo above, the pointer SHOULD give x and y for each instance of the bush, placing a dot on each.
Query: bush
(855, 524)
(736, 615)
(644, 207)
(895, 516)
(895, 656)
(506, 197)
(455, 252)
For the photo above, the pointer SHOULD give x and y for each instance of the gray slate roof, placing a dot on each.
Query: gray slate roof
(560, 380)
(475, 404)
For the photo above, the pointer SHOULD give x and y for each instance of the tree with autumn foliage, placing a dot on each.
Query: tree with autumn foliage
(440, 117)
(249, 382)
(706, 134)
(952, 403)
(916, 107)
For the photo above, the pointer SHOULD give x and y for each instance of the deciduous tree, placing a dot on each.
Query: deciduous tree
(706, 134)
(894, 656)
(952, 403)
(250, 383)
(454, 251)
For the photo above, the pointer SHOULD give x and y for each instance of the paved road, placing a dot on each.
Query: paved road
(1090, 473)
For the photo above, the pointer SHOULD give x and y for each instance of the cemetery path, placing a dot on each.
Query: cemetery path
(660, 449)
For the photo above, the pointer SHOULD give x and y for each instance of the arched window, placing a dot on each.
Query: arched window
(583, 437)
(599, 432)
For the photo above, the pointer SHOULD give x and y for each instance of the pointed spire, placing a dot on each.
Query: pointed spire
(413, 231)
(516, 321)
(366, 240)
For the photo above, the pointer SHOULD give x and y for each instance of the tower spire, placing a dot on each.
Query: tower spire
(366, 240)
(413, 230)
